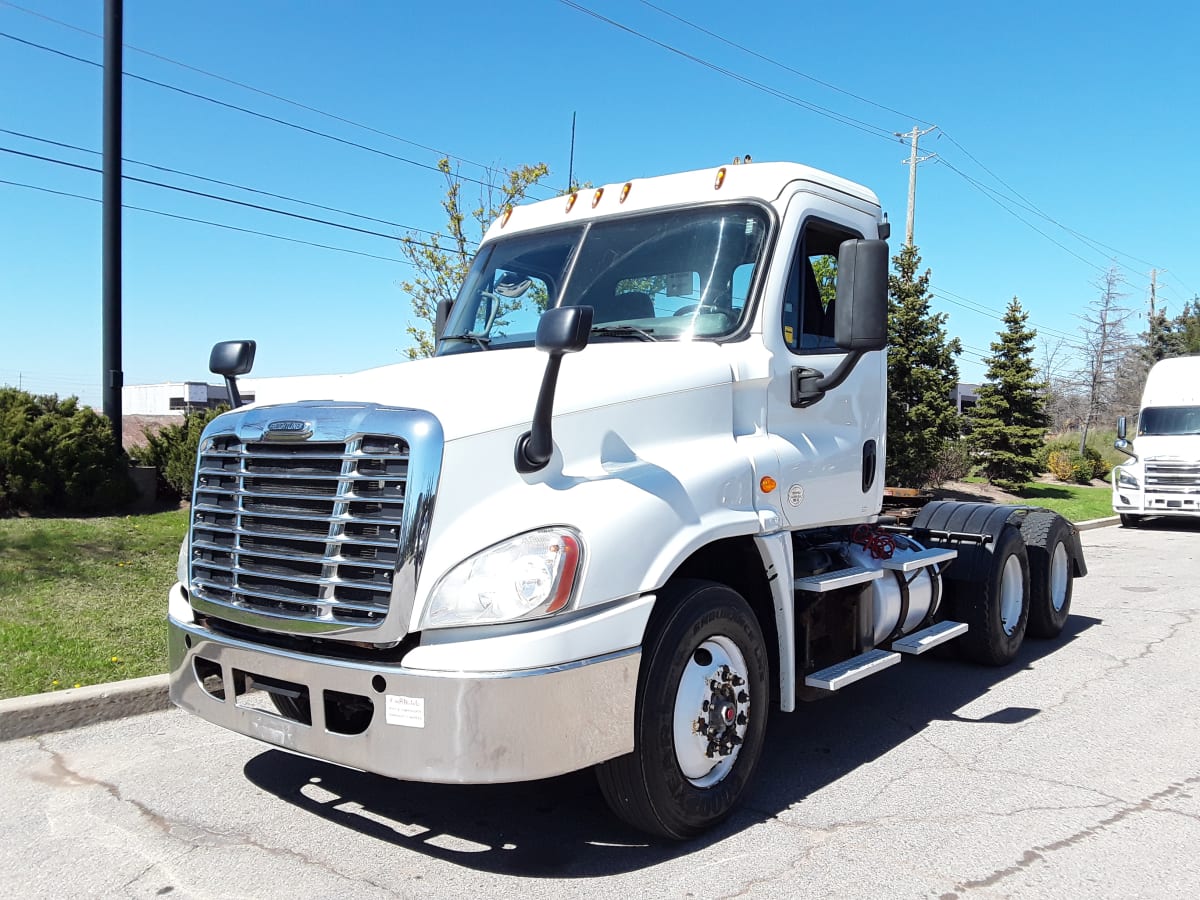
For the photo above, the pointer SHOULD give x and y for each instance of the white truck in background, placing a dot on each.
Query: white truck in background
(1162, 477)
(502, 564)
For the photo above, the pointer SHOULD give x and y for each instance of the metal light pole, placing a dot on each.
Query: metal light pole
(112, 375)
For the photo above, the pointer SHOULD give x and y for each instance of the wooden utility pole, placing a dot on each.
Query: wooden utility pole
(1153, 294)
(911, 162)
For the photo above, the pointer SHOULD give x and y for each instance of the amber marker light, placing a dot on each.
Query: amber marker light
(625, 190)
(720, 179)
(571, 200)
(507, 216)
(596, 197)
(767, 484)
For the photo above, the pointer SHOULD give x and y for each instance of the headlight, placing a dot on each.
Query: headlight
(525, 577)
(1126, 479)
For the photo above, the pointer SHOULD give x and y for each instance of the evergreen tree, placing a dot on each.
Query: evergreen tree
(922, 374)
(1187, 327)
(1009, 422)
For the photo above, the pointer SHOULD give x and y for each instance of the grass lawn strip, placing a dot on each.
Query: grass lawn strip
(83, 601)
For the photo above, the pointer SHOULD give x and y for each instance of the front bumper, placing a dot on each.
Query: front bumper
(1134, 502)
(423, 726)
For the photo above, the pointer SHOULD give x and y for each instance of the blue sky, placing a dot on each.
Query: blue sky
(1086, 110)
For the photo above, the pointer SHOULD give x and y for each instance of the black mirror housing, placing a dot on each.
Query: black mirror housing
(860, 317)
(1121, 428)
(232, 358)
(564, 329)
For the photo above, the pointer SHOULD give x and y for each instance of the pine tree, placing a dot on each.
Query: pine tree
(922, 374)
(1009, 422)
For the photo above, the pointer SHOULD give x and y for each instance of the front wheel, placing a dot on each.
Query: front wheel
(1129, 520)
(700, 717)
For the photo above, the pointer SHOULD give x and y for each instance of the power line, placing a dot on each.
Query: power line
(210, 196)
(859, 124)
(232, 184)
(249, 87)
(159, 212)
(777, 63)
(247, 111)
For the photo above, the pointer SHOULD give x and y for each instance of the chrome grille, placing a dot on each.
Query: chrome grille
(308, 531)
(1172, 477)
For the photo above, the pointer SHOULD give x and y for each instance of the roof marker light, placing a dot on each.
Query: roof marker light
(506, 217)
(571, 200)
(720, 179)
(625, 190)
(596, 197)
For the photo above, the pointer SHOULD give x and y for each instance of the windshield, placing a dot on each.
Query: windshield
(673, 275)
(1170, 420)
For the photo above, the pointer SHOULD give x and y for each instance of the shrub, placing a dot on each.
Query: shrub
(172, 450)
(56, 456)
(952, 463)
(1060, 464)
(1071, 465)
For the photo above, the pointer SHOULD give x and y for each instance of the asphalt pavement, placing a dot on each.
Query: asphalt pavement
(1074, 772)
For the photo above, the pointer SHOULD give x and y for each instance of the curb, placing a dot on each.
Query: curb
(60, 710)
(1097, 523)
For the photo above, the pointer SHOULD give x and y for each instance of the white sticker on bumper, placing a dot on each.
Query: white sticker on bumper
(407, 711)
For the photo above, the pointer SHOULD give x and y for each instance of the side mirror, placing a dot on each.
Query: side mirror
(860, 316)
(1121, 428)
(441, 318)
(859, 319)
(1120, 444)
(564, 329)
(230, 359)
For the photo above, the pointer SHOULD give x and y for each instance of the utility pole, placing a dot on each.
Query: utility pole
(112, 377)
(571, 164)
(1153, 294)
(911, 162)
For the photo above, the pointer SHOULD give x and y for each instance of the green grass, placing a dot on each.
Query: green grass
(1072, 501)
(83, 601)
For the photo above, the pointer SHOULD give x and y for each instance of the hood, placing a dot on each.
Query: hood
(1167, 447)
(473, 393)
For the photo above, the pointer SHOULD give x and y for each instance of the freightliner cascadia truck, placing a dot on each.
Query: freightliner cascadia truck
(632, 504)
(1162, 477)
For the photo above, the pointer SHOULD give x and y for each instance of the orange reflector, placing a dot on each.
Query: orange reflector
(507, 216)
(767, 484)
(720, 178)
(596, 197)
(625, 190)
(571, 200)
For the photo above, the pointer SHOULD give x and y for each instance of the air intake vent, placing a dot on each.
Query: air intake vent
(305, 531)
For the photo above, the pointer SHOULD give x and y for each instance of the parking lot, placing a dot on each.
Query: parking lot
(1074, 772)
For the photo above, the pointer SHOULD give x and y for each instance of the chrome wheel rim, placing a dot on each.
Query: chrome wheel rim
(1012, 595)
(712, 711)
(1059, 576)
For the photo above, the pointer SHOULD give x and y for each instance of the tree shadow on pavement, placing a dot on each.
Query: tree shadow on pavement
(561, 828)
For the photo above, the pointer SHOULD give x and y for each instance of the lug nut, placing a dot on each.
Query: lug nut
(742, 697)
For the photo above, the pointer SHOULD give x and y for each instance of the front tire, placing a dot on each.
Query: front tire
(1047, 539)
(1128, 520)
(701, 713)
(996, 609)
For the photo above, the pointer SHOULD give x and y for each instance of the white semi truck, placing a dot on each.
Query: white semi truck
(1162, 477)
(502, 564)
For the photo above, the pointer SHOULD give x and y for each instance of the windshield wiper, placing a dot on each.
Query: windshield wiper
(480, 340)
(645, 334)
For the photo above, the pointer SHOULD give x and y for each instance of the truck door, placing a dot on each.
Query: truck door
(831, 453)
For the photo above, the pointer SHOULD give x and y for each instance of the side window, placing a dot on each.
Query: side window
(811, 296)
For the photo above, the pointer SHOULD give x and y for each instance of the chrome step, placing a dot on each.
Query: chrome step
(920, 560)
(839, 578)
(851, 670)
(920, 641)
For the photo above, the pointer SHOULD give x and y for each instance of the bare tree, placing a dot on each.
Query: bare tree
(1062, 397)
(1103, 346)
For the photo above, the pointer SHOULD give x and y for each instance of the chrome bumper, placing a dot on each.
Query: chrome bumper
(444, 727)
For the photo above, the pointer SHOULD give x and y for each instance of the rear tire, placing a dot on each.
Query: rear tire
(996, 608)
(1051, 572)
(701, 714)
(1128, 520)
